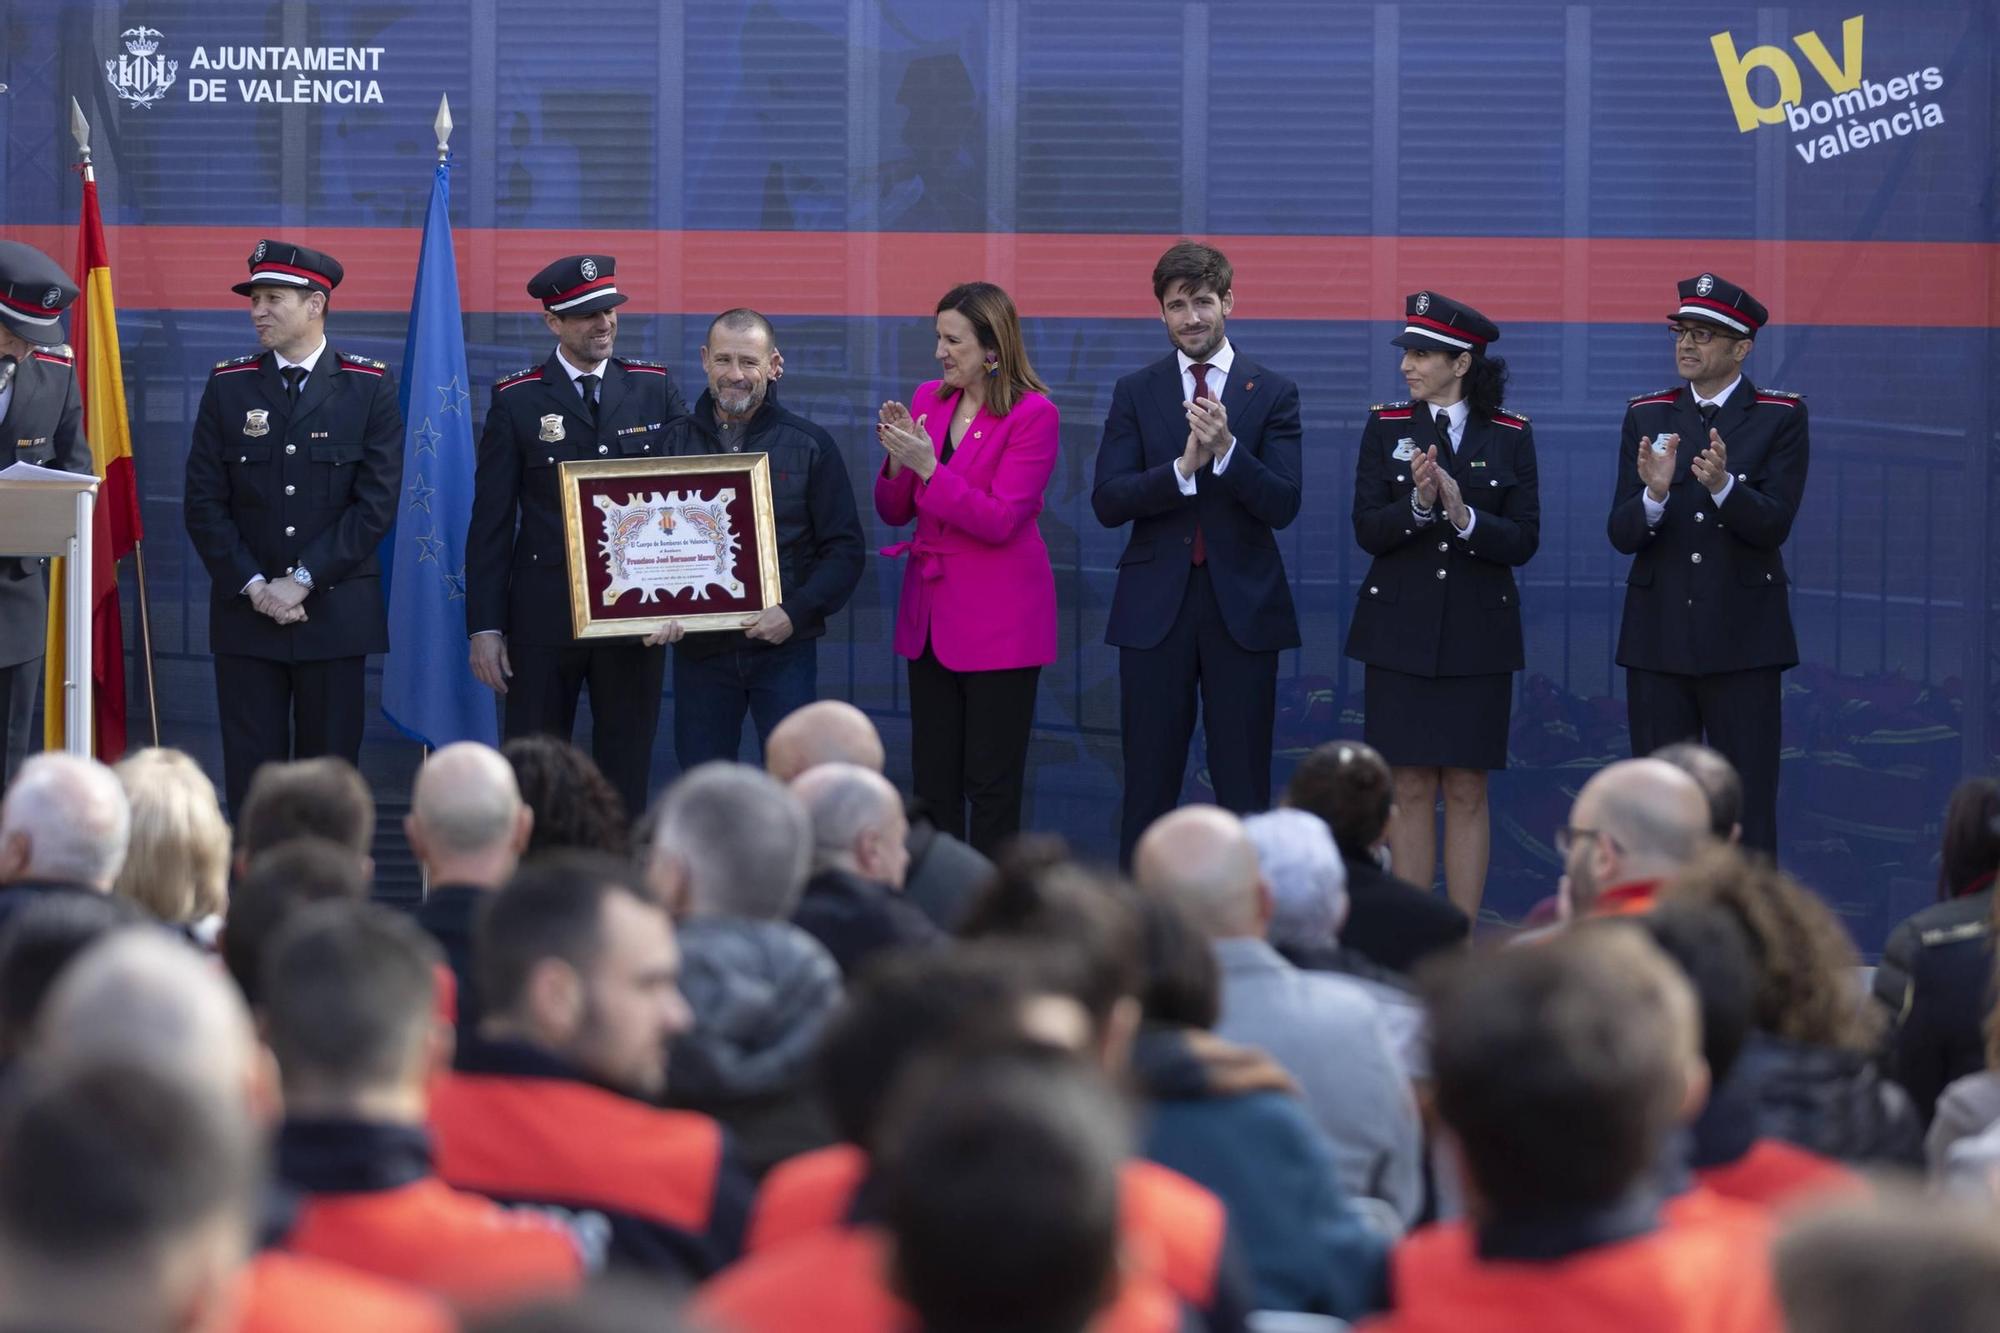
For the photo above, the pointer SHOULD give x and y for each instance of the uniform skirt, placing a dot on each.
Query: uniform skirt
(1438, 721)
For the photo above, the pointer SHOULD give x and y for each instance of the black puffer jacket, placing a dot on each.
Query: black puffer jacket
(1830, 1101)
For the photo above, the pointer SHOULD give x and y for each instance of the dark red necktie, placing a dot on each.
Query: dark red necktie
(1199, 555)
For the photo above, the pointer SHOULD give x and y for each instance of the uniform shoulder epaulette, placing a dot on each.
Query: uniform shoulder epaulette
(1507, 416)
(1655, 395)
(1779, 396)
(362, 362)
(1389, 407)
(522, 376)
(645, 367)
(237, 363)
(58, 356)
(1958, 934)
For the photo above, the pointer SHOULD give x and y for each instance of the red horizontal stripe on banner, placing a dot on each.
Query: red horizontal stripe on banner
(1575, 280)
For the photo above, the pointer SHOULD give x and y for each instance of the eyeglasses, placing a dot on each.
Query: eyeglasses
(1567, 837)
(1699, 337)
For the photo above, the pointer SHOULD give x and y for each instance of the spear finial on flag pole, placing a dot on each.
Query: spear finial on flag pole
(80, 128)
(443, 127)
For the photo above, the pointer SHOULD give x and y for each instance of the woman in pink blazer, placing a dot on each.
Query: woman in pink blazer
(977, 619)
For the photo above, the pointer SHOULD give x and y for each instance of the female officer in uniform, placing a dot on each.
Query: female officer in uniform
(1445, 500)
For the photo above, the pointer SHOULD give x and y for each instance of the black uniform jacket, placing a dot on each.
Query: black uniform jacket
(271, 486)
(43, 426)
(1707, 590)
(1435, 603)
(515, 576)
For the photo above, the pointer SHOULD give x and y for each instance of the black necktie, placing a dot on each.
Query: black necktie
(295, 378)
(587, 384)
(1444, 429)
(1708, 415)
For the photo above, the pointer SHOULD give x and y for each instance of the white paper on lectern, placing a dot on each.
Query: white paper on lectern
(38, 509)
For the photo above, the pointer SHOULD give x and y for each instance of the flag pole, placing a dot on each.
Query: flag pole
(80, 128)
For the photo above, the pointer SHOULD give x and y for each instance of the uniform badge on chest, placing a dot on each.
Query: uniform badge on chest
(256, 422)
(1406, 449)
(552, 428)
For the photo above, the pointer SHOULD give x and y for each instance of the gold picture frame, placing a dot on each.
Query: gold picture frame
(595, 597)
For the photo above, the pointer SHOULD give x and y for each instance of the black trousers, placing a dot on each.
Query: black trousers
(1158, 689)
(18, 684)
(624, 677)
(1736, 713)
(274, 711)
(969, 746)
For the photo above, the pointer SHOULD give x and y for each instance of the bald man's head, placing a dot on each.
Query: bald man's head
(830, 731)
(467, 821)
(857, 822)
(1638, 819)
(1200, 858)
(144, 996)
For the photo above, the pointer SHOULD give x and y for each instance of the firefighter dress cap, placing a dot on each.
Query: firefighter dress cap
(577, 285)
(1722, 303)
(1438, 323)
(282, 264)
(34, 291)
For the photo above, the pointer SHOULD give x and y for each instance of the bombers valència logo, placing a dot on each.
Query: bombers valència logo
(289, 75)
(1857, 113)
(141, 76)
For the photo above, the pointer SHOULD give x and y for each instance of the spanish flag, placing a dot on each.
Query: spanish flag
(101, 375)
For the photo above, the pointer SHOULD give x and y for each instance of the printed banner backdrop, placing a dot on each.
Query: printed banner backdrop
(840, 163)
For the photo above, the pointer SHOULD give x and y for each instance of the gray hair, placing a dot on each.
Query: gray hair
(466, 799)
(843, 801)
(75, 816)
(743, 837)
(1307, 878)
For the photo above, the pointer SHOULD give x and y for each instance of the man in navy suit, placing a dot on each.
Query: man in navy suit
(1201, 456)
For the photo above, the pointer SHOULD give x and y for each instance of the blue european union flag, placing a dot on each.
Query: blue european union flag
(428, 689)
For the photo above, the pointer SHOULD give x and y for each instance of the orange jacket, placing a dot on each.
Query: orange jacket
(289, 1293)
(1174, 1228)
(1776, 1175)
(835, 1280)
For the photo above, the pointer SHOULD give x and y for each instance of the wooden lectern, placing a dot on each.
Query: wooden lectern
(46, 512)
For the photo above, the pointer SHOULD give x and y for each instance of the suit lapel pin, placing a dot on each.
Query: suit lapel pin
(1248, 385)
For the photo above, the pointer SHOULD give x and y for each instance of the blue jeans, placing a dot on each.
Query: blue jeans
(711, 695)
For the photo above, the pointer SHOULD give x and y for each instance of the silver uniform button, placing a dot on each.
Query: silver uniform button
(291, 490)
(1440, 573)
(289, 529)
(291, 448)
(1767, 578)
(1696, 557)
(1493, 481)
(603, 448)
(1699, 516)
(1400, 477)
(1444, 546)
(1372, 590)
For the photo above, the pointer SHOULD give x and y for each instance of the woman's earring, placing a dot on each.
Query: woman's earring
(993, 367)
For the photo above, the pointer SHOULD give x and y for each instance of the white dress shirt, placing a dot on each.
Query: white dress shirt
(1656, 509)
(1218, 376)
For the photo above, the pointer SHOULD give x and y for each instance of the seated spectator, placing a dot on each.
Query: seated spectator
(617, 1303)
(141, 997)
(350, 1012)
(317, 798)
(550, 1105)
(277, 883)
(177, 860)
(1936, 980)
(64, 827)
(1967, 1109)
(1390, 921)
(853, 903)
(944, 871)
(1309, 904)
(731, 847)
(1227, 1117)
(1324, 1030)
(1633, 825)
(1560, 1072)
(1726, 1151)
(1899, 1263)
(1719, 782)
(1811, 1051)
(468, 828)
(126, 1202)
(576, 807)
(37, 943)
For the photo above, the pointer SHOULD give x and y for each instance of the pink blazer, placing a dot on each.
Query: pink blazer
(978, 583)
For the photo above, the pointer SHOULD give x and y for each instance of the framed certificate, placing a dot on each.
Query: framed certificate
(657, 539)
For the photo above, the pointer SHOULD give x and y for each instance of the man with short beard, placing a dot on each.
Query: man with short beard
(771, 668)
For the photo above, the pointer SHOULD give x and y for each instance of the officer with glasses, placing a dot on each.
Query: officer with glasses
(1710, 474)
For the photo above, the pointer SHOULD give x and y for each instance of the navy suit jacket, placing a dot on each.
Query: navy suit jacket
(1239, 511)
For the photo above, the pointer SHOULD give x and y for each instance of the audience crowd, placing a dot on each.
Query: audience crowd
(778, 1055)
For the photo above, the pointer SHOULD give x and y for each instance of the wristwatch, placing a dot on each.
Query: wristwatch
(302, 576)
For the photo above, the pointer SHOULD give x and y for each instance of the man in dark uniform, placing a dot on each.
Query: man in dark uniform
(581, 403)
(772, 668)
(292, 480)
(41, 422)
(1200, 455)
(1710, 473)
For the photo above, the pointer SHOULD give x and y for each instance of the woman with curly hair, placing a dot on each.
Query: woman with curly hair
(575, 805)
(1811, 1054)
